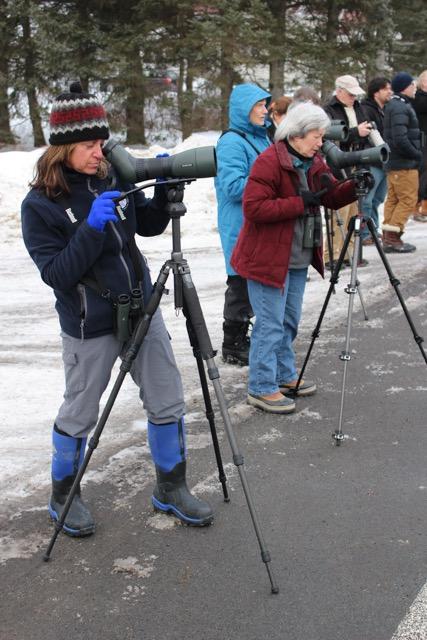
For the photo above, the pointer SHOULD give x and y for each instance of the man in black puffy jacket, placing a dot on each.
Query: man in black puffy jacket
(402, 133)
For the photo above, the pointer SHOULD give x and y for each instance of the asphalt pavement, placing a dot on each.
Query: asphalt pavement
(345, 526)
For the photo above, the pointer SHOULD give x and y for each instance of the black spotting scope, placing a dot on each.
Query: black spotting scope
(337, 130)
(193, 163)
(338, 159)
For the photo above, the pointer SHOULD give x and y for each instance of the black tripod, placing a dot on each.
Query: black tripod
(361, 180)
(186, 298)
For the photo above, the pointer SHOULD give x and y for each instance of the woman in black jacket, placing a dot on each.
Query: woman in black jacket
(83, 244)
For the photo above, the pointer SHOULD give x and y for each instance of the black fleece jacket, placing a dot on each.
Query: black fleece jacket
(336, 111)
(66, 249)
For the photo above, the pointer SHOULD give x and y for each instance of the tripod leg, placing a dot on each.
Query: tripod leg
(395, 284)
(135, 344)
(329, 226)
(345, 356)
(333, 280)
(196, 315)
(351, 259)
(208, 404)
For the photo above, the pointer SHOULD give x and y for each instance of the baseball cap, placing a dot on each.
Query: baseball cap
(350, 84)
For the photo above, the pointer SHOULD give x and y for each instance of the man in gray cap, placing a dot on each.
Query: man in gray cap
(402, 133)
(344, 106)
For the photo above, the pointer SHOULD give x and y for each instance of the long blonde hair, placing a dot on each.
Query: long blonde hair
(49, 170)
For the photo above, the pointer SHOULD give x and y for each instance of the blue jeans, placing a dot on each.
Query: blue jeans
(277, 313)
(373, 199)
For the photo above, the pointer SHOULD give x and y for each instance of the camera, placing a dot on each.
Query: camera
(192, 163)
(375, 138)
(338, 159)
(337, 130)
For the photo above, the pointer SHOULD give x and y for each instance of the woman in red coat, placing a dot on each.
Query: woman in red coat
(280, 238)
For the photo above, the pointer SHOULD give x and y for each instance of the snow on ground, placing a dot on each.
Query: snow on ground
(30, 358)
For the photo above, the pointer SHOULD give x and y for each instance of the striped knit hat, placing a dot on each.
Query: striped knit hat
(76, 117)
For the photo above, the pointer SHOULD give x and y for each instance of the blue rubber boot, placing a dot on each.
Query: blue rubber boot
(171, 494)
(68, 454)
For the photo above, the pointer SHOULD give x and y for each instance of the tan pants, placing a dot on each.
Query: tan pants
(345, 214)
(402, 197)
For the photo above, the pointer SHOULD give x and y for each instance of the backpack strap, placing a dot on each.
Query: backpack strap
(243, 135)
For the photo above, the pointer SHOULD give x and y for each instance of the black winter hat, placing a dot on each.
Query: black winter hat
(400, 81)
(77, 116)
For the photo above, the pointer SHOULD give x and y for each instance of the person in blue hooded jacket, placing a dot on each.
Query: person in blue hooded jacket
(237, 150)
(83, 245)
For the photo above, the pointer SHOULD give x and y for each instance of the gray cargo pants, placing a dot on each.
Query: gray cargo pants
(88, 366)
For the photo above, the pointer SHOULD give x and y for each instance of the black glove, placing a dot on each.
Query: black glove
(310, 199)
(369, 180)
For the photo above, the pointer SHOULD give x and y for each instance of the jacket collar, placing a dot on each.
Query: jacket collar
(402, 98)
(335, 102)
(285, 159)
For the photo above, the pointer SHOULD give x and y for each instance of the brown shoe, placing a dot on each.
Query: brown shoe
(392, 243)
(367, 241)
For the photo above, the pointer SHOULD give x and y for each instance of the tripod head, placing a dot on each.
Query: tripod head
(363, 181)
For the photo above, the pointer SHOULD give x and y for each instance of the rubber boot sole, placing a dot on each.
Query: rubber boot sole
(171, 509)
(73, 533)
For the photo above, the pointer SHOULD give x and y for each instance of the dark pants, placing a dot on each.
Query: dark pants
(422, 191)
(237, 307)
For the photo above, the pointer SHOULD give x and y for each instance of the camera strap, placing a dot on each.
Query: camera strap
(243, 135)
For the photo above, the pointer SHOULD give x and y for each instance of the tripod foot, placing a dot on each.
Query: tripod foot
(338, 437)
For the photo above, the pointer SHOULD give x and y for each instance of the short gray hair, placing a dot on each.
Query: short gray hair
(301, 118)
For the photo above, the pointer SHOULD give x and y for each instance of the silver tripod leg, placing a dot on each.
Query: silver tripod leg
(351, 260)
(345, 356)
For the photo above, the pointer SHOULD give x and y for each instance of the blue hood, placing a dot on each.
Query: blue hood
(242, 99)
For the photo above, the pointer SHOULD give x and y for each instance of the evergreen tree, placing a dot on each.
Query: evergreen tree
(7, 34)
(408, 45)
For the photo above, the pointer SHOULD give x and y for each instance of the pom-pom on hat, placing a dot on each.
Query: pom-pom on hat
(76, 117)
(400, 81)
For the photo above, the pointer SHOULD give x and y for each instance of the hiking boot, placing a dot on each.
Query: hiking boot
(235, 348)
(361, 263)
(286, 405)
(392, 243)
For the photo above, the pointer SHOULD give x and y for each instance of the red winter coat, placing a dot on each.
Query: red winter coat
(270, 207)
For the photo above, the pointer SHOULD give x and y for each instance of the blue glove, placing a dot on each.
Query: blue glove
(162, 155)
(103, 210)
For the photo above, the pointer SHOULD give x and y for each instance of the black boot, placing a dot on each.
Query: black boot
(79, 521)
(171, 495)
(235, 348)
